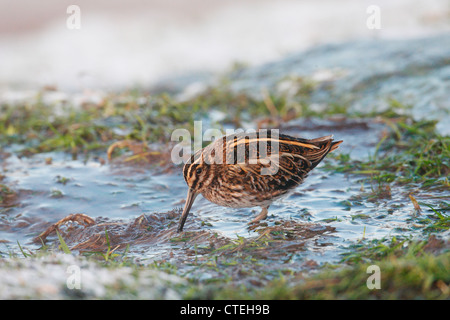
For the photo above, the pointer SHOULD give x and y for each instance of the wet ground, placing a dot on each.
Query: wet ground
(376, 95)
(128, 207)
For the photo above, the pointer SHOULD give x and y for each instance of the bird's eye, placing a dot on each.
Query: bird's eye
(198, 171)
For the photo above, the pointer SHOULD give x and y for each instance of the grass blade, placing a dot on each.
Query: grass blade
(26, 255)
(63, 244)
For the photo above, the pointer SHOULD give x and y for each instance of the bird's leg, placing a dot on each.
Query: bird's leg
(262, 215)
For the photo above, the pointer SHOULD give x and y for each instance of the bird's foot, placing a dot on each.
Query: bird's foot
(261, 216)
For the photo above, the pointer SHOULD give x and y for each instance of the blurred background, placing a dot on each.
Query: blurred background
(128, 44)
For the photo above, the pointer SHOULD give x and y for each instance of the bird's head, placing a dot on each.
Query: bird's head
(198, 176)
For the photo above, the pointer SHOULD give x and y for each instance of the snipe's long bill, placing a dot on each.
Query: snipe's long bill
(247, 170)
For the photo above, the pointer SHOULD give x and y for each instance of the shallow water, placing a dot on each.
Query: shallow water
(329, 208)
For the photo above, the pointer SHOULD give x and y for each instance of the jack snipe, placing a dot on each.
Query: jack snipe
(247, 170)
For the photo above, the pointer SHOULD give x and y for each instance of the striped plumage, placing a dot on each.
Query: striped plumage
(235, 171)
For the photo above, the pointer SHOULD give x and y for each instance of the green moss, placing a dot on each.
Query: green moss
(412, 152)
(438, 220)
(407, 271)
(92, 127)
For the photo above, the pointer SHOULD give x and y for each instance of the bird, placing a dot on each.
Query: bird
(243, 170)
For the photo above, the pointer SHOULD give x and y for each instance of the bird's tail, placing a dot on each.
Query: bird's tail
(325, 145)
(335, 145)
